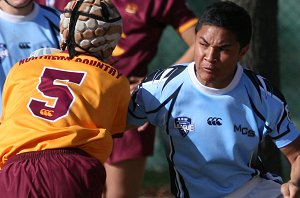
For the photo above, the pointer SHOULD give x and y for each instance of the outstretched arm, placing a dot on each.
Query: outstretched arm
(291, 189)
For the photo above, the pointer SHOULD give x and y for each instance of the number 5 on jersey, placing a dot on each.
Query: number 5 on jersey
(61, 93)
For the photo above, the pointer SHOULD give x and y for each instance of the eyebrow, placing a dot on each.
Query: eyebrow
(222, 45)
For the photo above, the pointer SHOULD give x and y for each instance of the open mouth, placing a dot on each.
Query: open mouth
(209, 68)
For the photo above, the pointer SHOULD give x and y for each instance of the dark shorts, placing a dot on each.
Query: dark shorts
(133, 144)
(53, 173)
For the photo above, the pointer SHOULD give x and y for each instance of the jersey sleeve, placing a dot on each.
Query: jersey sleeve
(143, 104)
(149, 100)
(279, 125)
(178, 14)
(136, 113)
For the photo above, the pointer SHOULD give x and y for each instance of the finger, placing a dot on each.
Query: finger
(143, 127)
(285, 190)
(294, 190)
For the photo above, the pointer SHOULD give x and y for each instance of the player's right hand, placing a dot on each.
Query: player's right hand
(134, 82)
(290, 190)
(143, 127)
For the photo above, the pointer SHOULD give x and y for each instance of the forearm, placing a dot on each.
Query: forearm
(189, 38)
(291, 189)
(188, 56)
(295, 171)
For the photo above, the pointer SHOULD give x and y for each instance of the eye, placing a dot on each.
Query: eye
(225, 48)
(203, 44)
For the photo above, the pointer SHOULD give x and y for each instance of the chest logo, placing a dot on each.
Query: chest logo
(184, 125)
(24, 45)
(214, 121)
(3, 52)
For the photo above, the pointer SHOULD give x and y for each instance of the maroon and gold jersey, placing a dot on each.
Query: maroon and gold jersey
(53, 102)
(143, 23)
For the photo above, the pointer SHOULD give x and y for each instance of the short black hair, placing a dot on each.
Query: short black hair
(230, 16)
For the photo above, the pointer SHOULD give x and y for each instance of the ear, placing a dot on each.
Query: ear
(244, 50)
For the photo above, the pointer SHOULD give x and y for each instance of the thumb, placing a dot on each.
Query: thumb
(285, 190)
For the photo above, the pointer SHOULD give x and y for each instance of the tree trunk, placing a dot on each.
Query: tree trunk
(263, 58)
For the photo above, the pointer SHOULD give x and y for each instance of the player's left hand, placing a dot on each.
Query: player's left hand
(290, 190)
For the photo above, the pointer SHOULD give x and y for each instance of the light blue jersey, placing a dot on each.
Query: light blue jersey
(211, 133)
(21, 35)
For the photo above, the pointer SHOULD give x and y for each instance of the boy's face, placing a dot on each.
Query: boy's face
(217, 52)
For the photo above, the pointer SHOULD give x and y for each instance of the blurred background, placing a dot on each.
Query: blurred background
(275, 54)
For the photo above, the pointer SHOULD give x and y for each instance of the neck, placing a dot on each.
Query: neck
(21, 10)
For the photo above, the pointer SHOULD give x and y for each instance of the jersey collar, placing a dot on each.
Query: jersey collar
(209, 90)
(16, 18)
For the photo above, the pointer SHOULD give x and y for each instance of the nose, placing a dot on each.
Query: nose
(211, 55)
(209, 59)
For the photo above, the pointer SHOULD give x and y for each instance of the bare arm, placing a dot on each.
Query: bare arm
(291, 189)
(189, 38)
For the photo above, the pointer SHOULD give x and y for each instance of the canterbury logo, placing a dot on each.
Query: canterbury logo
(45, 112)
(214, 121)
(24, 45)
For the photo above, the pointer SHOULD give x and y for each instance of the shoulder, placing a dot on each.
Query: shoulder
(263, 85)
(168, 73)
(47, 11)
(164, 79)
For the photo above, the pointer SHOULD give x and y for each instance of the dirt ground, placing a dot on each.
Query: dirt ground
(156, 192)
(156, 185)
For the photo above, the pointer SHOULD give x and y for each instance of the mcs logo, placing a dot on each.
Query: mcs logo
(214, 121)
(244, 131)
